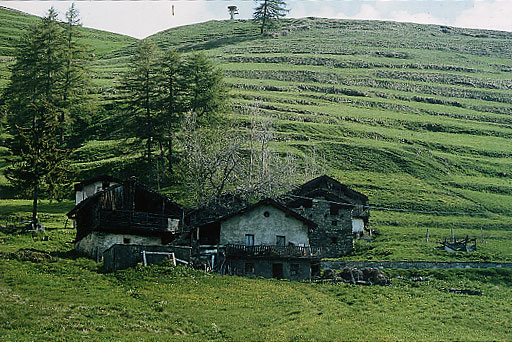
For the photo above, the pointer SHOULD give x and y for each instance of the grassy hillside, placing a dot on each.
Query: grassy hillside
(13, 24)
(418, 117)
(48, 294)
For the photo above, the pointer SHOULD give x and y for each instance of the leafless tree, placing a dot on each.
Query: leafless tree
(211, 158)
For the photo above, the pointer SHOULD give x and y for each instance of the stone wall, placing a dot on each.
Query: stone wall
(336, 265)
(119, 257)
(334, 232)
(293, 269)
(94, 244)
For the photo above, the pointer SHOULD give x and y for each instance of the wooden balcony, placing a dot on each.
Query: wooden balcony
(273, 251)
(133, 220)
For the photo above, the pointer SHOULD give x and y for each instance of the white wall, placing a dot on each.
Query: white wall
(264, 229)
(357, 225)
(89, 190)
(94, 244)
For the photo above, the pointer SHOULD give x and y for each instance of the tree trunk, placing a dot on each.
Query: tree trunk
(264, 17)
(169, 153)
(35, 195)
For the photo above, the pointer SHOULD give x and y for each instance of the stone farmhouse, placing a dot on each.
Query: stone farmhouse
(264, 239)
(278, 238)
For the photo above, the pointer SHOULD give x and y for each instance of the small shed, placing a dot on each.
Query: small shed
(120, 256)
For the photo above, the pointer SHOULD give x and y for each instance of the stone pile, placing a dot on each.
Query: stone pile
(359, 276)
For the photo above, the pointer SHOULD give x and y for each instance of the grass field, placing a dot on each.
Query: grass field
(59, 296)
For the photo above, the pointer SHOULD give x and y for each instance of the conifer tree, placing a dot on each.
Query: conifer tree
(205, 87)
(33, 105)
(74, 78)
(39, 163)
(173, 86)
(267, 12)
(141, 89)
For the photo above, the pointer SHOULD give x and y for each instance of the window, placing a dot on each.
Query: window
(334, 209)
(294, 269)
(280, 240)
(249, 239)
(249, 268)
(334, 223)
(126, 240)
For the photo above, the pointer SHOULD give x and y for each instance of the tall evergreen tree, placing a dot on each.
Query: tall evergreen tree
(74, 77)
(173, 88)
(141, 93)
(267, 12)
(206, 92)
(33, 104)
(38, 163)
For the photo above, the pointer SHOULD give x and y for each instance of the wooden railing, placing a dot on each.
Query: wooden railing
(273, 251)
(136, 220)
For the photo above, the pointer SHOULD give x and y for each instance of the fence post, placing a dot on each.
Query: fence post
(144, 261)
(426, 238)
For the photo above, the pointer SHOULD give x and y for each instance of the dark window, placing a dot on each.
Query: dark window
(266, 214)
(126, 240)
(280, 240)
(334, 240)
(249, 268)
(249, 239)
(334, 223)
(334, 209)
(294, 269)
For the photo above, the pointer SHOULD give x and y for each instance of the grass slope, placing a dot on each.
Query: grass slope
(415, 116)
(48, 295)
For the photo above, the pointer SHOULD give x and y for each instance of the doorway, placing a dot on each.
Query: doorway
(277, 271)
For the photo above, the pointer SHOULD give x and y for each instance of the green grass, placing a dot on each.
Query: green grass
(167, 303)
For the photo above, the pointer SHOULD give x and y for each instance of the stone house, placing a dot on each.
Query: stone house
(339, 212)
(264, 239)
(125, 213)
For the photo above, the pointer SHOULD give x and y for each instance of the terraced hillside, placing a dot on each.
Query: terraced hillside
(419, 117)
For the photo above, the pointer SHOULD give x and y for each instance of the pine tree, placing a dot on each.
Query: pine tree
(33, 103)
(205, 87)
(268, 12)
(38, 164)
(74, 79)
(141, 89)
(173, 87)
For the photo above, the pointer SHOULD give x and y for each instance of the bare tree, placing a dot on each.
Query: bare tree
(211, 158)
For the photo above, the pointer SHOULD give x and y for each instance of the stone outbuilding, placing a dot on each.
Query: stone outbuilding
(339, 212)
(126, 213)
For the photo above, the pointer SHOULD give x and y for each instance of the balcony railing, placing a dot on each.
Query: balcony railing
(126, 219)
(273, 251)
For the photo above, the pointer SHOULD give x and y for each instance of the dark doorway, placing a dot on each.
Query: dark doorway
(277, 271)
